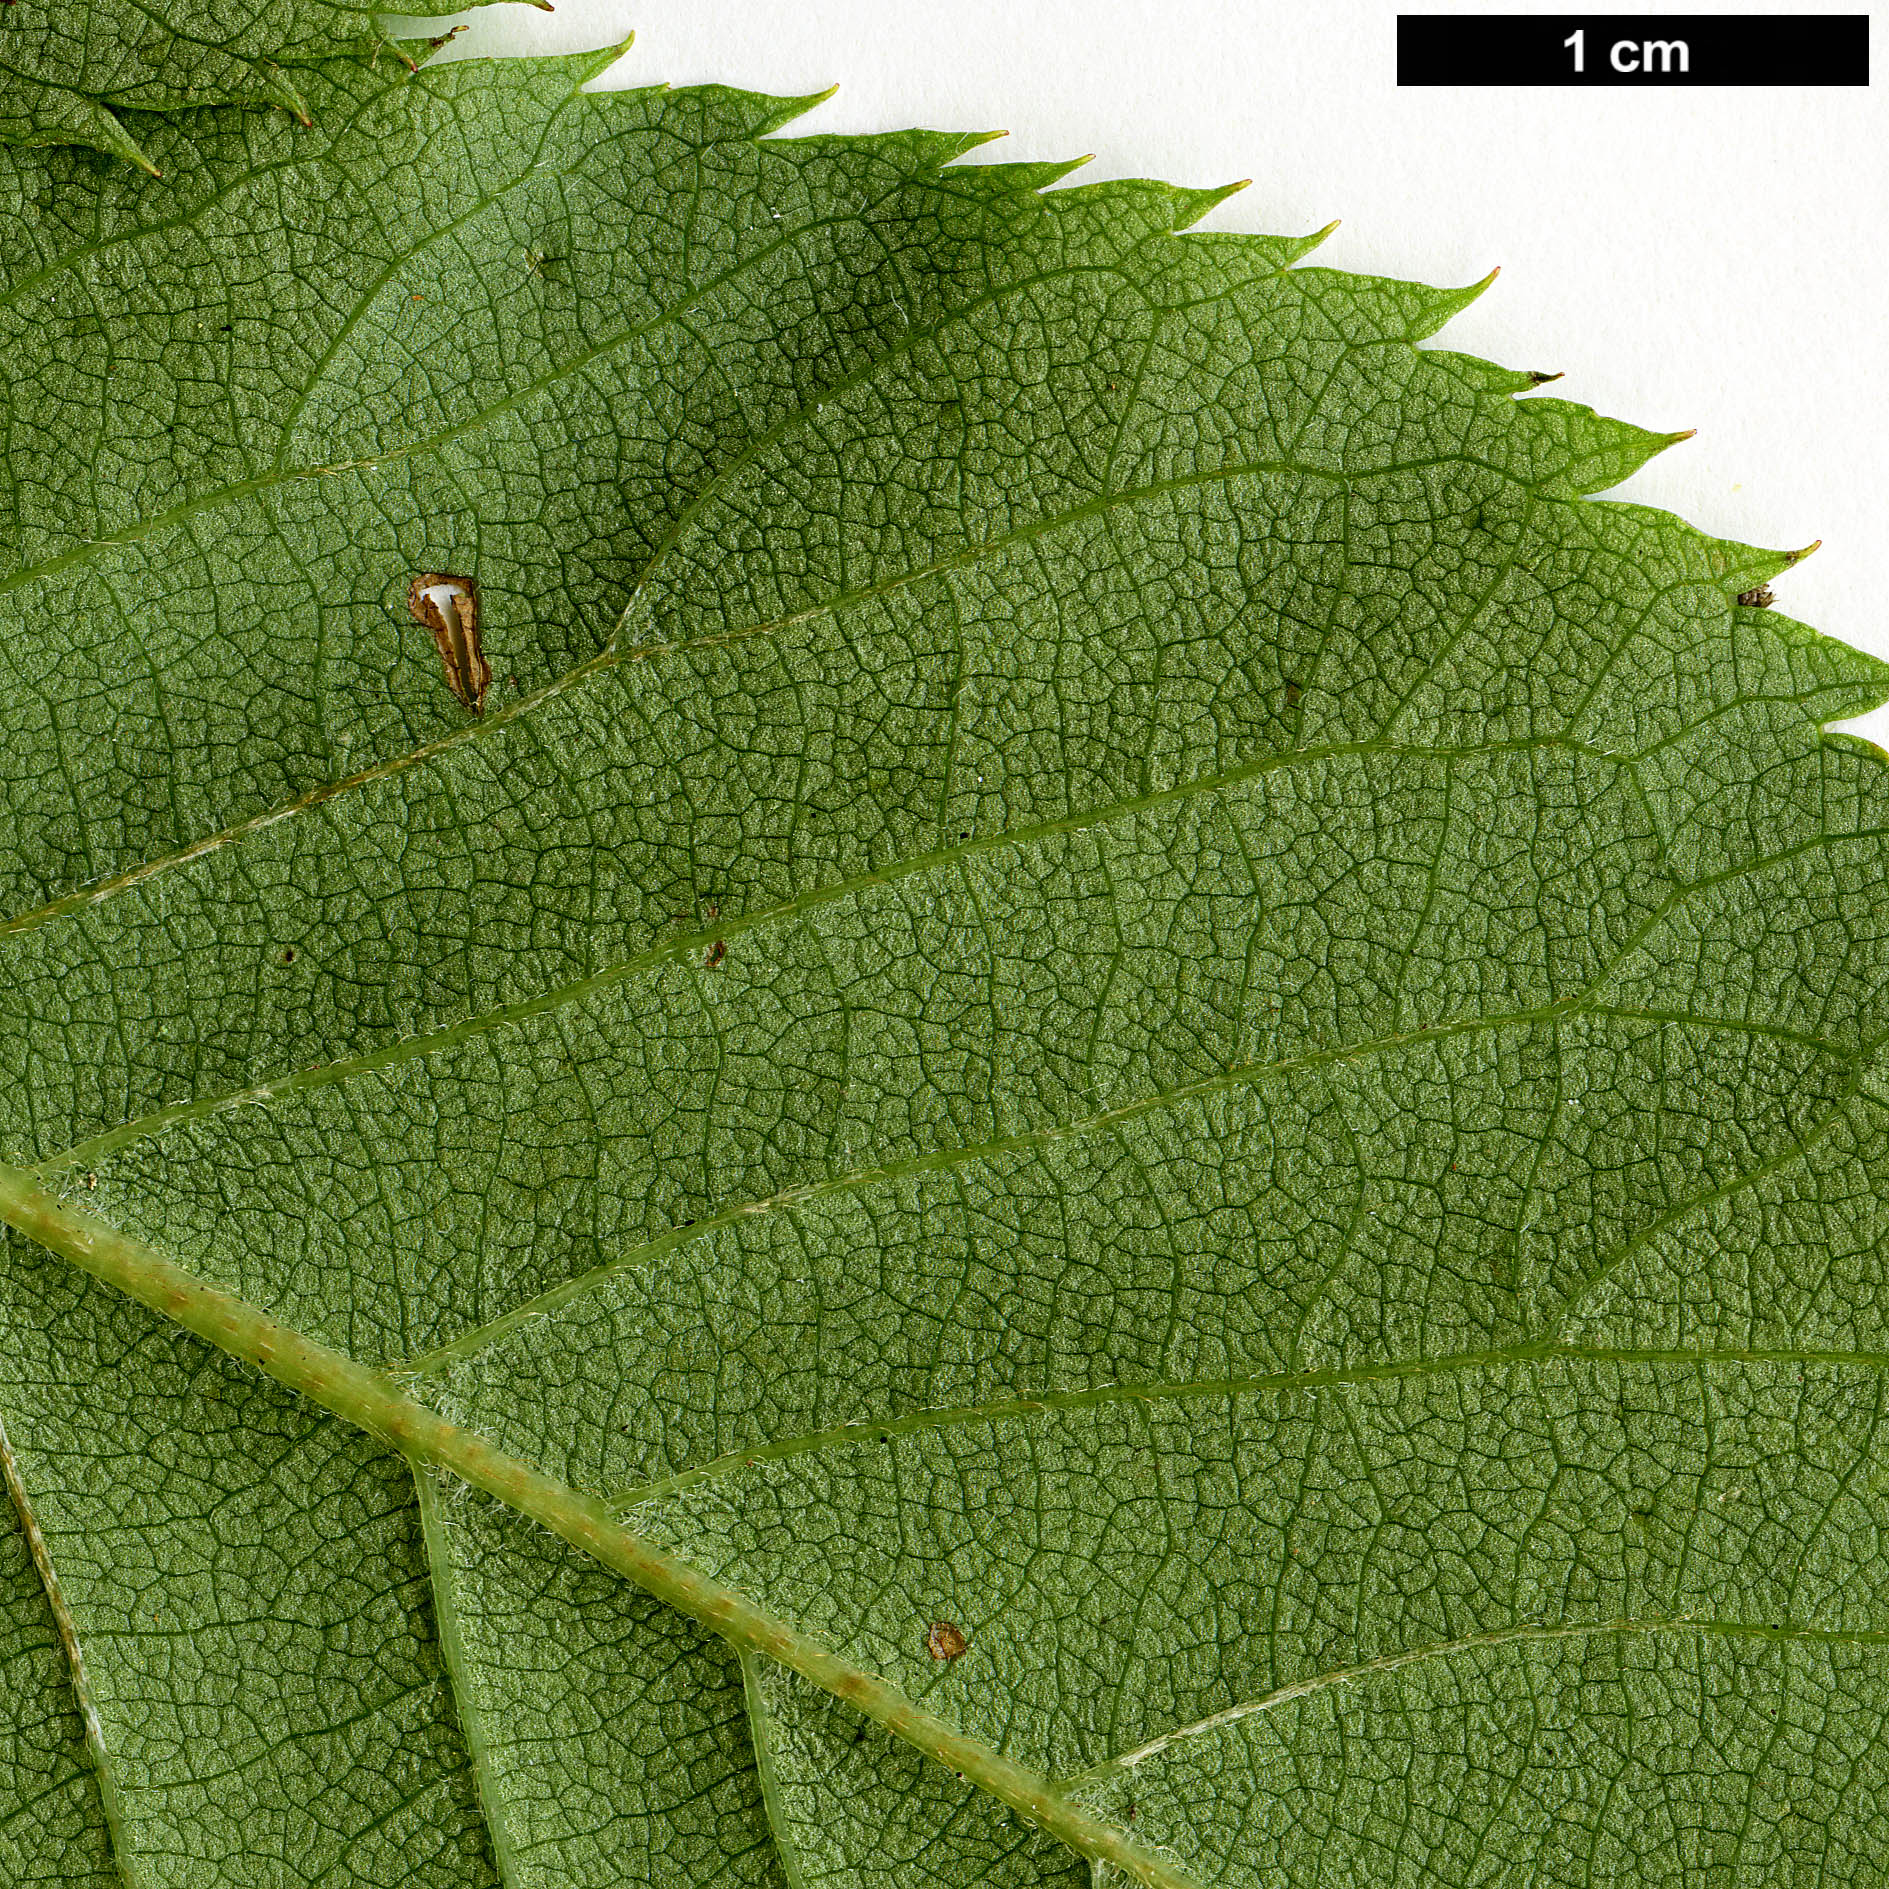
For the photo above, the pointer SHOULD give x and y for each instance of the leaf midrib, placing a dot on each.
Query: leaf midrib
(364, 1397)
(371, 1401)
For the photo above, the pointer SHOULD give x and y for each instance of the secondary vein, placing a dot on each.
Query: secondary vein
(68, 1634)
(685, 944)
(1445, 1649)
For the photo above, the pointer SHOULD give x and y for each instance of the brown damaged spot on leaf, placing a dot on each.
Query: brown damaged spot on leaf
(944, 1641)
(1758, 599)
(716, 952)
(448, 605)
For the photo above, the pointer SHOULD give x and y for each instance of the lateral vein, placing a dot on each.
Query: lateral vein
(68, 1633)
(1446, 1649)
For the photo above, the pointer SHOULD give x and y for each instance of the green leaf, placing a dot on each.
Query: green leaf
(1108, 977)
(67, 70)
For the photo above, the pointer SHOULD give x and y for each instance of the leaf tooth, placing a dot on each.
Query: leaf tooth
(273, 85)
(1033, 174)
(1191, 205)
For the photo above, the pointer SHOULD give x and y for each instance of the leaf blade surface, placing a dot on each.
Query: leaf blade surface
(1111, 970)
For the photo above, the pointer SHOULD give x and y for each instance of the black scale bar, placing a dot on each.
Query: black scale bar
(1771, 49)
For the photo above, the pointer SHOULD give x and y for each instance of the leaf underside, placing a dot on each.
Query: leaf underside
(69, 69)
(1109, 969)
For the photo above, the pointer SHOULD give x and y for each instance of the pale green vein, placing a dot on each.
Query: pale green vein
(686, 944)
(72, 258)
(327, 790)
(1031, 1407)
(1796, 1150)
(488, 725)
(957, 1155)
(238, 490)
(761, 1739)
(469, 1715)
(1520, 1634)
(73, 1654)
(907, 344)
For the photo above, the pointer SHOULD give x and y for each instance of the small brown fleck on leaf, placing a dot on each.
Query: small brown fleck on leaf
(448, 605)
(716, 952)
(288, 957)
(1293, 692)
(91, 1180)
(944, 1641)
(1758, 599)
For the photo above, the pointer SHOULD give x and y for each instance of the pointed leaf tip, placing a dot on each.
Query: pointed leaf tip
(1797, 557)
(1461, 298)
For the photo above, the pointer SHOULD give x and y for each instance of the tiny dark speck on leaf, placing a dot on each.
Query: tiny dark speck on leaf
(716, 952)
(944, 1641)
(288, 957)
(1293, 692)
(1758, 599)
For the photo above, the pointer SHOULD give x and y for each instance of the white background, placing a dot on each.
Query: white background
(1713, 257)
